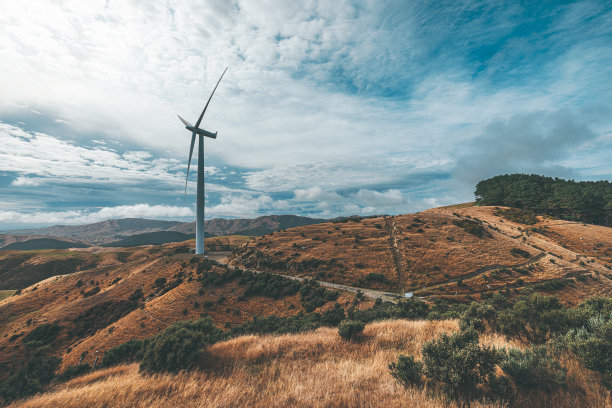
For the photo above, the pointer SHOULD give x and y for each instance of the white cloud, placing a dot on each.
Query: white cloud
(26, 182)
(245, 205)
(379, 199)
(316, 193)
(318, 93)
(85, 217)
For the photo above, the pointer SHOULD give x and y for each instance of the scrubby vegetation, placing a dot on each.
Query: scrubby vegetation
(269, 285)
(463, 370)
(471, 227)
(536, 319)
(37, 371)
(100, 316)
(350, 329)
(519, 215)
(586, 201)
(42, 335)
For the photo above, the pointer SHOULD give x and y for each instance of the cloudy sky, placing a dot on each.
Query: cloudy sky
(328, 107)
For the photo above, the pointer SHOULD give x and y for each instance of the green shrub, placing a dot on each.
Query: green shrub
(350, 329)
(471, 227)
(459, 367)
(179, 347)
(533, 369)
(534, 318)
(127, 352)
(37, 371)
(375, 277)
(73, 371)
(333, 317)
(517, 215)
(41, 335)
(407, 370)
(592, 343)
(477, 315)
(520, 252)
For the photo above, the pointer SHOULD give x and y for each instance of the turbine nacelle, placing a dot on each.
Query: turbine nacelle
(202, 132)
(197, 130)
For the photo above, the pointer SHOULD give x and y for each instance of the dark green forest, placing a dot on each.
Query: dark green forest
(585, 201)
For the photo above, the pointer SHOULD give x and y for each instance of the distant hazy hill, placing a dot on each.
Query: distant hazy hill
(150, 238)
(257, 226)
(105, 231)
(113, 231)
(44, 243)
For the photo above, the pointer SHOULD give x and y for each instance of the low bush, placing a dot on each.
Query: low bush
(73, 372)
(592, 342)
(471, 227)
(533, 369)
(460, 368)
(407, 370)
(42, 335)
(533, 319)
(127, 352)
(350, 329)
(179, 346)
(520, 252)
(37, 371)
(517, 215)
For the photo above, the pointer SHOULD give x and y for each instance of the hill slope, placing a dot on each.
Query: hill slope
(150, 238)
(43, 243)
(105, 306)
(313, 369)
(457, 252)
(114, 230)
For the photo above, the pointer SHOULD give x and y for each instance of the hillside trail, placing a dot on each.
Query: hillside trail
(482, 270)
(397, 258)
(370, 293)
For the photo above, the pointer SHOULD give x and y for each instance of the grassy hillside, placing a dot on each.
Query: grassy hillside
(452, 252)
(20, 269)
(43, 243)
(446, 256)
(314, 369)
(150, 238)
(106, 306)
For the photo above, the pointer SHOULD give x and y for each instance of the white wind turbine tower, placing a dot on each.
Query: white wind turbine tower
(195, 130)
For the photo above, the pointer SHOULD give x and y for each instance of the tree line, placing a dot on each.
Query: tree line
(585, 201)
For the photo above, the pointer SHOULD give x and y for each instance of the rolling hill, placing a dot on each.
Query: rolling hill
(453, 252)
(150, 238)
(102, 298)
(109, 231)
(43, 243)
(105, 306)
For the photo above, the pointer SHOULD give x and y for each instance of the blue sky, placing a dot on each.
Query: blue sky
(328, 108)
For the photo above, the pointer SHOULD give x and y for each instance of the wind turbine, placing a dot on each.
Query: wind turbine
(195, 130)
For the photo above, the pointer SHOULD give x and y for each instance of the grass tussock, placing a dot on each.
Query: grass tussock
(313, 369)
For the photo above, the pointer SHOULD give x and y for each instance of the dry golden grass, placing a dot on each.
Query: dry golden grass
(314, 369)
(434, 253)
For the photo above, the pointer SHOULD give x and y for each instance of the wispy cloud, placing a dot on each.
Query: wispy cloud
(8, 218)
(419, 98)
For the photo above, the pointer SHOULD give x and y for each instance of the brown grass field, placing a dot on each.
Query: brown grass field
(313, 369)
(61, 299)
(428, 254)
(425, 253)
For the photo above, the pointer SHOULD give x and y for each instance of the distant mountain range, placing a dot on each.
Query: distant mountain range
(140, 231)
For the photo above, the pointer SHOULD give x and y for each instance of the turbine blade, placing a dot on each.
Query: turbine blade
(193, 137)
(184, 121)
(211, 95)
